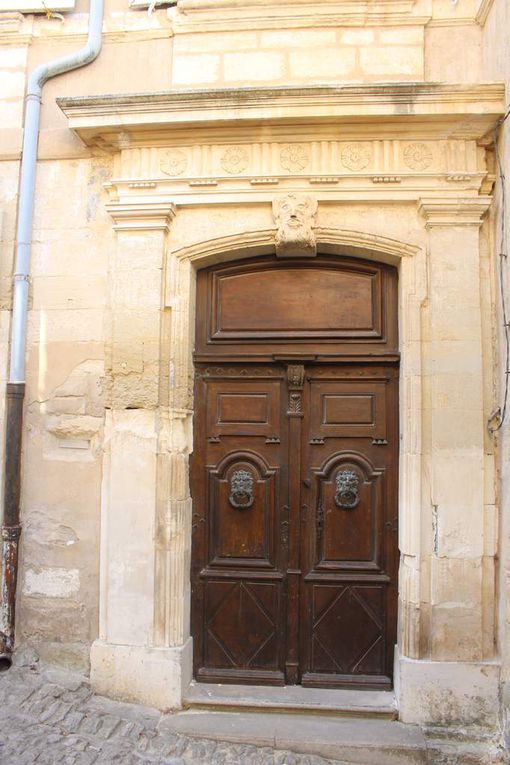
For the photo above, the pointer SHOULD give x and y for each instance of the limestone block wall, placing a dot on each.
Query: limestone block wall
(65, 409)
(69, 337)
(109, 408)
(298, 56)
(496, 64)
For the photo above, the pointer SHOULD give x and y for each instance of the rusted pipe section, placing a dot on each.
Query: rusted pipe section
(11, 528)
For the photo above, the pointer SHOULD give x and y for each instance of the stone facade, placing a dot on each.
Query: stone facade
(383, 114)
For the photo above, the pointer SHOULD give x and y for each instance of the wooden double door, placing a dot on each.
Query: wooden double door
(294, 562)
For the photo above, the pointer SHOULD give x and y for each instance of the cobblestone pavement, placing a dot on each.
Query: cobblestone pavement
(51, 717)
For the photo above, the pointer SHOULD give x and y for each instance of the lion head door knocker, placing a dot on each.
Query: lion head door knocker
(347, 489)
(241, 490)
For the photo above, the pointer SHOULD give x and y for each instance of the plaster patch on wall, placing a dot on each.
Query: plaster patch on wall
(52, 582)
(43, 529)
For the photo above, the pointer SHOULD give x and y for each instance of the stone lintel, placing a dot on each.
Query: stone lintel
(459, 211)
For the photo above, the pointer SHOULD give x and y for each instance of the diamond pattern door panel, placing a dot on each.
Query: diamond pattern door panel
(348, 631)
(242, 627)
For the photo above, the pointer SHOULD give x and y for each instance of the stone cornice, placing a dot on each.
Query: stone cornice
(424, 109)
(218, 15)
(460, 211)
(141, 217)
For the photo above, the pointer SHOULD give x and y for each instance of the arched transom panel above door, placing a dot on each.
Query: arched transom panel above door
(318, 307)
(294, 476)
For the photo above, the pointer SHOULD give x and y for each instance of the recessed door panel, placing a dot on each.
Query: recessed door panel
(348, 409)
(347, 631)
(250, 302)
(243, 408)
(242, 622)
(348, 523)
(326, 305)
(242, 510)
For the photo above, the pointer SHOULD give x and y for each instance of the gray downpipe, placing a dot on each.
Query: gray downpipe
(11, 528)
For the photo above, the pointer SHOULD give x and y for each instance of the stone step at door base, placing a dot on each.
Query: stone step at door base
(354, 741)
(291, 699)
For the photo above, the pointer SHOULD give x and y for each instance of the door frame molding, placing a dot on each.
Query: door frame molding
(410, 262)
(151, 663)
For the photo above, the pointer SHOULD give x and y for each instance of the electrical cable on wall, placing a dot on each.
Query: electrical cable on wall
(500, 413)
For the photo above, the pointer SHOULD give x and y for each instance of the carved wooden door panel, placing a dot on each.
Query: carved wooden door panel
(240, 525)
(349, 554)
(294, 524)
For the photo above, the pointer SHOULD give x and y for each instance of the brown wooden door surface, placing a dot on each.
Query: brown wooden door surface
(294, 562)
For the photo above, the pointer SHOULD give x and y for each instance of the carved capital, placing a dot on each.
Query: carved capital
(294, 216)
(454, 211)
(136, 216)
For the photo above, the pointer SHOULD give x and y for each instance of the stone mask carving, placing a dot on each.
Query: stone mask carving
(294, 216)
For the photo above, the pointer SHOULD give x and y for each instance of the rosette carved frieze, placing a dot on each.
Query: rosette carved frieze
(359, 141)
(336, 166)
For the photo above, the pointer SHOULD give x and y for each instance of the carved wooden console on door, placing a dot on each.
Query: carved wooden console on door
(294, 475)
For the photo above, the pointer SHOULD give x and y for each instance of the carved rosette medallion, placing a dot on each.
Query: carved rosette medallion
(294, 157)
(234, 160)
(417, 156)
(356, 156)
(173, 162)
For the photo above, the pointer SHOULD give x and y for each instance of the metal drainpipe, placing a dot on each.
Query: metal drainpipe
(11, 528)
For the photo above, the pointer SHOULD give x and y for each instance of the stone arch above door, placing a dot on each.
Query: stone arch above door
(335, 241)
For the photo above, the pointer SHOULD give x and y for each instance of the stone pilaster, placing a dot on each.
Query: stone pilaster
(133, 658)
(457, 579)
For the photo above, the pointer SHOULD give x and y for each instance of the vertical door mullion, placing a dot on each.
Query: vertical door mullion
(295, 381)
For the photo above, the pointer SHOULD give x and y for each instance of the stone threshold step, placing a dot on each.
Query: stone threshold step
(293, 699)
(352, 741)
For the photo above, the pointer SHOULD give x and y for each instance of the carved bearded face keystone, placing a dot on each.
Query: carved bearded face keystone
(294, 216)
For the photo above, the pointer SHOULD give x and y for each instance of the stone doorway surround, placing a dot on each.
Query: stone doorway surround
(400, 175)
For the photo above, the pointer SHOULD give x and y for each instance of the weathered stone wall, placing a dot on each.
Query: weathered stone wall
(69, 351)
(496, 65)
(120, 225)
